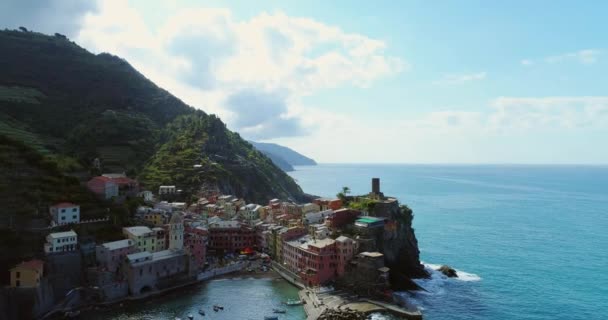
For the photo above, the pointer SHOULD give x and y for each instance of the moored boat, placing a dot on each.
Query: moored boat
(279, 310)
(293, 302)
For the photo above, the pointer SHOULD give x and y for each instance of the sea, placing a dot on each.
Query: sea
(528, 241)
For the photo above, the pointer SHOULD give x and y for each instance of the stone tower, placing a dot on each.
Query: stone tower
(176, 232)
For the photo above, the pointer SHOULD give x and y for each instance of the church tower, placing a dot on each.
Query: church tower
(176, 232)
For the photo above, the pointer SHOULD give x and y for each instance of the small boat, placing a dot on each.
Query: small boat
(191, 317)
(293, 302)
(271, 318)
(218, 307)
(201, 312)
(279, 310)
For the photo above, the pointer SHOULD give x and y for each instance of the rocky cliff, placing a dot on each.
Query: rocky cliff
(396, 240)
(400, 246)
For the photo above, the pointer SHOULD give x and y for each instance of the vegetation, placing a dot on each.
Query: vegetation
(62, 100)
(342, 195)
(363, 204)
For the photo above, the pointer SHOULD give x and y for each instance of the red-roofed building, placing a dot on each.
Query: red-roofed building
(103, 187)
(325, 204)
(27, 274)
(112, 185)
(342, 217)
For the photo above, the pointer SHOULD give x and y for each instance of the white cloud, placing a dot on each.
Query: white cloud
(206, 56)
(586, 57)
(461, 78)
(527, 62)
(493, 133)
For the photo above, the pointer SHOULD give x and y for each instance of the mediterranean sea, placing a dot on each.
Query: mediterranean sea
(530, 242)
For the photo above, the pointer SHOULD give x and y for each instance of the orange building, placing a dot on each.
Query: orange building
(27, 274)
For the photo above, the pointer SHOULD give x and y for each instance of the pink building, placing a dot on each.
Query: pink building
(317, 261)
(111, 254)
(346, 248)
(195, 243)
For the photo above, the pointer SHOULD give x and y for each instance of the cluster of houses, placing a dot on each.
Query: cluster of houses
(174, 239)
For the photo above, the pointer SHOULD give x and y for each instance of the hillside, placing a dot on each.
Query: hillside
(288, 155)
(68, 103)
(278, 161)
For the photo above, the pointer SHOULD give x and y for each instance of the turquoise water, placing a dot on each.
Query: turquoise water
(531, 241)
(244, 298)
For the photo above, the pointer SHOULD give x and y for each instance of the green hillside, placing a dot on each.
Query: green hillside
(75, 106)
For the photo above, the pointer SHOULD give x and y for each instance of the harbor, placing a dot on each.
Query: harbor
(241, 297)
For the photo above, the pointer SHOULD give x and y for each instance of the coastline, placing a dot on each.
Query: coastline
(315, 306)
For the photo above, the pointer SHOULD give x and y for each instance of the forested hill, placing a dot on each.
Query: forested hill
(75, 106)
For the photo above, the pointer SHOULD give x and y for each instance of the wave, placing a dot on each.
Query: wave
(462, 275)
(436, 285)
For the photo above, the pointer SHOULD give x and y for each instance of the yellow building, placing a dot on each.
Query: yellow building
(143, 237)
(27, 274)
(155, 218)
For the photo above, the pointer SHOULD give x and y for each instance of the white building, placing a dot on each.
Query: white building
(147, 195)
(250, 212)
(310, 207)
(167, 190)
(61, 242)
(65, 213)
(317, 217)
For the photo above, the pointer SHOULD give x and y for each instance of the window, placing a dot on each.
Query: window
(74, 217)
(62, 210)
(73, 209)
(18, 283)
(62, 217)
(18, 275)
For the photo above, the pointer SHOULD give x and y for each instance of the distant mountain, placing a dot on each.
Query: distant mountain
(281, 154)
(278, 161)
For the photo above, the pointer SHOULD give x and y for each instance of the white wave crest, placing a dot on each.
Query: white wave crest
(462, 275)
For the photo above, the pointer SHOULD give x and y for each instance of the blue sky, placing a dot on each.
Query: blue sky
(382, 81)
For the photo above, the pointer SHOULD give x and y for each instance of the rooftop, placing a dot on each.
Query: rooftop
(306, 241)
(137, 231)
(138, 255)
(369, 219)
(64, 234)
(343, 239)
(64, 205)
(117, 244)
(371, 254)
(34, 264)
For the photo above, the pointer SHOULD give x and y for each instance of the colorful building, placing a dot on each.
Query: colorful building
(110, 255)
(327, 204)
(342, 217)
(27, 274)
(317, 261)
(143, 238)
(195, 243)
(231, 236)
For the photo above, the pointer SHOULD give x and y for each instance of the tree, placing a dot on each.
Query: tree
(342, 194)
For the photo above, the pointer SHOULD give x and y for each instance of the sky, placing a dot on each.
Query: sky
(368, 81)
